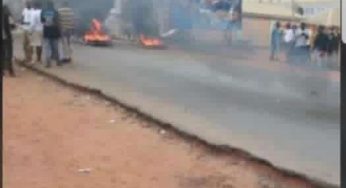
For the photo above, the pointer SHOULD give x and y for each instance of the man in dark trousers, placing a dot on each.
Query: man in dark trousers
(51, 33)
(321, 46)
(7, 46)
(67, 24)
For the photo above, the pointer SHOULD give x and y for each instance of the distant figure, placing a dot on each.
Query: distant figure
(288, 39)
(36, 32)
(67, 24)
(333, 45)
(51, 33)
(276, 36)
(291, 52)
(302, 49)
(333, 42)
(320, 46)
(26, 22)
(7, 53)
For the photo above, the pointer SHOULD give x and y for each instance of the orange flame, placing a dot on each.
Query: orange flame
(150, 42)
(96, 25)
(96, 34)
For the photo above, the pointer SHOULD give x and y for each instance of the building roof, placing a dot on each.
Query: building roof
(327, 18)
(269, 10)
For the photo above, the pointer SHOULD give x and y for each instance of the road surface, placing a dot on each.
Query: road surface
(287, 115)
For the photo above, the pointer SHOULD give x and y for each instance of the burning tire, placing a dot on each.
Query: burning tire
(96, 35)
(151, 42)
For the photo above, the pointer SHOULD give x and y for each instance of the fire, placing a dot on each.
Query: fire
(150, 41)
(95, 34)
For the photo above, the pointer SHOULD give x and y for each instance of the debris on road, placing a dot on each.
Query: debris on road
(84, 170)
(162, 131)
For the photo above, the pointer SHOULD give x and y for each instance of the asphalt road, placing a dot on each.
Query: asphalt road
(287, 115)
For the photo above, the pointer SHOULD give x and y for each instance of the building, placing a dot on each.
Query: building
(310, 7)
(313, 7)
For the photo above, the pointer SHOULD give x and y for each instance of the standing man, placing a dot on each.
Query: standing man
(36, 31)
(67, 24)
(7, 46)
(26, 22)
(288, 39)
(276, 37)
(302, 44)
(51, 33)
(333, 46)
(320, 46)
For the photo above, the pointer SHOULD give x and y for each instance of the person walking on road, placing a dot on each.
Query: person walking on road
(36, 29)
(7, 43)
(276, 36)
(67, 23)
(291, 56)
(51, 33)
(26, 22)
(320, 46)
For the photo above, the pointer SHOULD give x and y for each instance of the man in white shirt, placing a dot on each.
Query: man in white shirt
(302, 36)
(289, 35)
(302, 49)
(36, 31)
(288, 39)
(26, 22)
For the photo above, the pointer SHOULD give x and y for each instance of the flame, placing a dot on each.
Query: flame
(150, 42)
(96, 34)
(96, 25)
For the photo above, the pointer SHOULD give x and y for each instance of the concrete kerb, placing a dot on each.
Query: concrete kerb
(219, 150)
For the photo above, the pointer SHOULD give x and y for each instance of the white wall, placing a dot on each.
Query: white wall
(311, 9)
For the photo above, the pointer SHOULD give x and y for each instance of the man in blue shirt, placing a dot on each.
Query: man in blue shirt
(276, 37)
(51, 33)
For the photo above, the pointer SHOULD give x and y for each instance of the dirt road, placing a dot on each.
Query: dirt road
(60, 138)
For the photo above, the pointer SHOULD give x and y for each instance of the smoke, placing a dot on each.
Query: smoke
(86, 10)
(15, 7)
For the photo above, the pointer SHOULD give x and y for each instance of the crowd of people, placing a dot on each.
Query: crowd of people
(46, 34)
(49, 30)
(303, 44)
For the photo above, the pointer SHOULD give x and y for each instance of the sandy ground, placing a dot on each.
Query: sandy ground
(60, 138)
